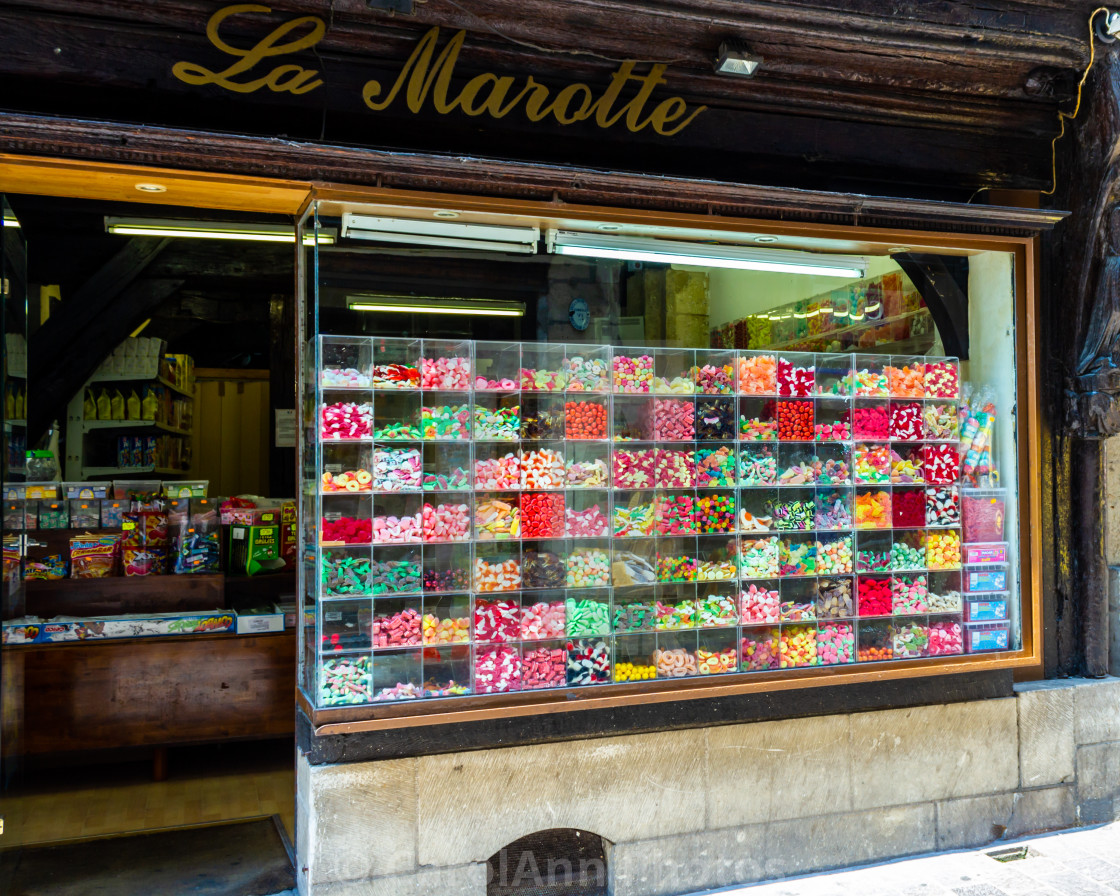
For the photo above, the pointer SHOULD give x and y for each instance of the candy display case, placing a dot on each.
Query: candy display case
(715, 372)
(757, 419)
(503, 517)
(673, 371)
(543, 368)
(497, 367)
(395, 363)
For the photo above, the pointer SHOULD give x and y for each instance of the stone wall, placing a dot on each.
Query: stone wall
(708, 807)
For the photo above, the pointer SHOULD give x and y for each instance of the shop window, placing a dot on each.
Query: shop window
(608, 472)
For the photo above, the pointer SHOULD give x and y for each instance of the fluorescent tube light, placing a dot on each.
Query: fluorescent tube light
(11, 221)
(426, 305)
(445, 234)
(656, 251)
(215, 230)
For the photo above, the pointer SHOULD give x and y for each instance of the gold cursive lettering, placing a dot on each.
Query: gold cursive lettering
(425, 81)
(487, 93)
(283, 79)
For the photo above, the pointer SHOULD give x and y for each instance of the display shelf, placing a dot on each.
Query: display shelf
(99, 472)
(830, 335)
(89, 425)
(89, 441)
(690, 513)
(140, 377)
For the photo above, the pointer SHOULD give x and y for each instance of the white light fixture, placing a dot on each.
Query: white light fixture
(214, 230)
(427, 305)
(11, 221)
(733, 58)
(415, 232)
(151, 188)
(655, 251)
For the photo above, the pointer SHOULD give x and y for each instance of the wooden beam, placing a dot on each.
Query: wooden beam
(85, 348)
(117, 182)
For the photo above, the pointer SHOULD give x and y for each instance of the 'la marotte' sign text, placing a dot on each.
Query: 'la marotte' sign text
(425, 81)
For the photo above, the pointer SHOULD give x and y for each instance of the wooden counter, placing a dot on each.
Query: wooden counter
(97, 695)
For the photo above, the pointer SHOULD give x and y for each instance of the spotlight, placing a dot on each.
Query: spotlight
(734, 58)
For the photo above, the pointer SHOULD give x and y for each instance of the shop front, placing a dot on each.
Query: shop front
(683, 530)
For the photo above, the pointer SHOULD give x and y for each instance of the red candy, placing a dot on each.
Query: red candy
(795, 381)
(542, 515)
(795, 421)
(906, 421)
(875, 597)
(347, 530)
(585, 420)
(871, 422)
(908, 508)
(496, 621)
(942, 464)
(497, 670)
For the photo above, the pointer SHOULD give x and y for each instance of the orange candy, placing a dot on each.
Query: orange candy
(873, 510)
(908, 381)
(758, 375)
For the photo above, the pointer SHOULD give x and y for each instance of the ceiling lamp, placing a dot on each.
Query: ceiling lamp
(445, 234)
(214, 230)
(733, 58)
(427, 305)
(656, 251)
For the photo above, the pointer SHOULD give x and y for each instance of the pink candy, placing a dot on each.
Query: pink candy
(871, 422)
(675, 468)
(405, 529)
(446, 522)
(945, 638)
(942, 380)
(586, 523)
(633, 374)
(759, 604)
(498, 474)
(634, 469)
(346, 421)
(399, 630)
(544, 667)
(445, 373)
(497, 670)
(481, 384)
(674, 420)
(543, 620)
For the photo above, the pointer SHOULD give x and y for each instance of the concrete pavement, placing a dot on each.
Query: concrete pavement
(1080, 862)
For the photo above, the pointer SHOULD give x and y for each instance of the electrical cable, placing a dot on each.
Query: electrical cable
(1063, 117)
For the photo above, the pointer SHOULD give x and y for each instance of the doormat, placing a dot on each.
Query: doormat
(247, 858)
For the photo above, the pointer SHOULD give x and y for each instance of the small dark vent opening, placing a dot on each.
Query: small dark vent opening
(558, 862)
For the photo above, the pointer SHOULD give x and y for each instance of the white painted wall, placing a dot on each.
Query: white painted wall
(992, 364)
(735, 294)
